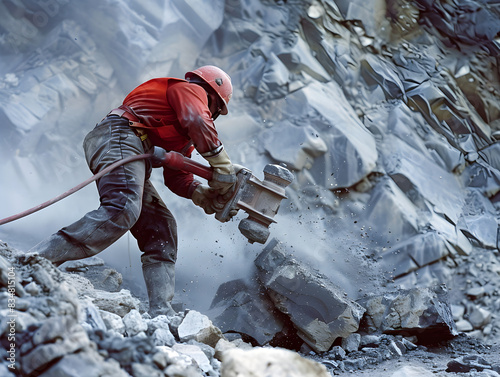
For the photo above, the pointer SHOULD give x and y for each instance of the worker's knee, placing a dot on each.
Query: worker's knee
(123, 207)
(131, 212)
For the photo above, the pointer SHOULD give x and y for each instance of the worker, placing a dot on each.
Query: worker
(176, 115)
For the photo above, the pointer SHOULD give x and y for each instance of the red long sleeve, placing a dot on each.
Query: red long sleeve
(190, 103)
(176, 116)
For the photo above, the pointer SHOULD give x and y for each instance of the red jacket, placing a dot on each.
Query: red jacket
(177, 118)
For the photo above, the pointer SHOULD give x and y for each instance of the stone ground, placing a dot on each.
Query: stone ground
(475, 274)
(432, 361)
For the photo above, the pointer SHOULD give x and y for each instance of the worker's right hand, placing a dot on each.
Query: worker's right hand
(204, 197)
(158, 157)
(224, 177)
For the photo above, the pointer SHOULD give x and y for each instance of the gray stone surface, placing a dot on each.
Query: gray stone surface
(176, 370)
(281, 143)
(468, 363)
(352, 149)
(163, 337)
(183, 363)
(224, 345)
(479, 220)
(44, 353)
(92, 316)
(120, 303)
(351, 343)
(145, 370)
(82, 264)
(91, 362)
(195, 353)
(159, 322)
(101, 276)
(414, 253)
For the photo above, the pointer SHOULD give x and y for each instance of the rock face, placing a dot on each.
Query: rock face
(52, 330)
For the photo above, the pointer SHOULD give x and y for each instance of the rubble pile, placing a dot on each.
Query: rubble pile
(55, 323)
(61, 326)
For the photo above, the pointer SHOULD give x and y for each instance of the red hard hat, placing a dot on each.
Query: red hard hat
(218, 80)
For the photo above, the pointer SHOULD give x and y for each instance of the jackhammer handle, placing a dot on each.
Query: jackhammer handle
(176, 161)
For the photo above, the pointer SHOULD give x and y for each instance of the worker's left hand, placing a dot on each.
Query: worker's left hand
(204, 197)
(220, 201)
(224, 177)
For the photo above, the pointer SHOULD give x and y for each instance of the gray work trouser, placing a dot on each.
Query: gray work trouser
(128, 202)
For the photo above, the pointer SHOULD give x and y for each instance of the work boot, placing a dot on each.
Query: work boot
(160, 283)
(57, 250)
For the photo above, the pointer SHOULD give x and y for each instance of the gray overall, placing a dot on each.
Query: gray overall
(128, 201)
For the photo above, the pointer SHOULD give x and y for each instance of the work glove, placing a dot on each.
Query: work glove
(204, 197)
(223, 178)
(220, 201)
(157, 157)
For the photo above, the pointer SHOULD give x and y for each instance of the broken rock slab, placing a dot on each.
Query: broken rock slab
(196, 353)
(245, 308)
(421, 312)
(320, 311)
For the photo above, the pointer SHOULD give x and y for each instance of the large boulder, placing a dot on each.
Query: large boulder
(246, 309)
(320, 311)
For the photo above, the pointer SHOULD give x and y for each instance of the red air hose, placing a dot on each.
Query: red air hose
(173, 160)
(176, 161)
(74, 189)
